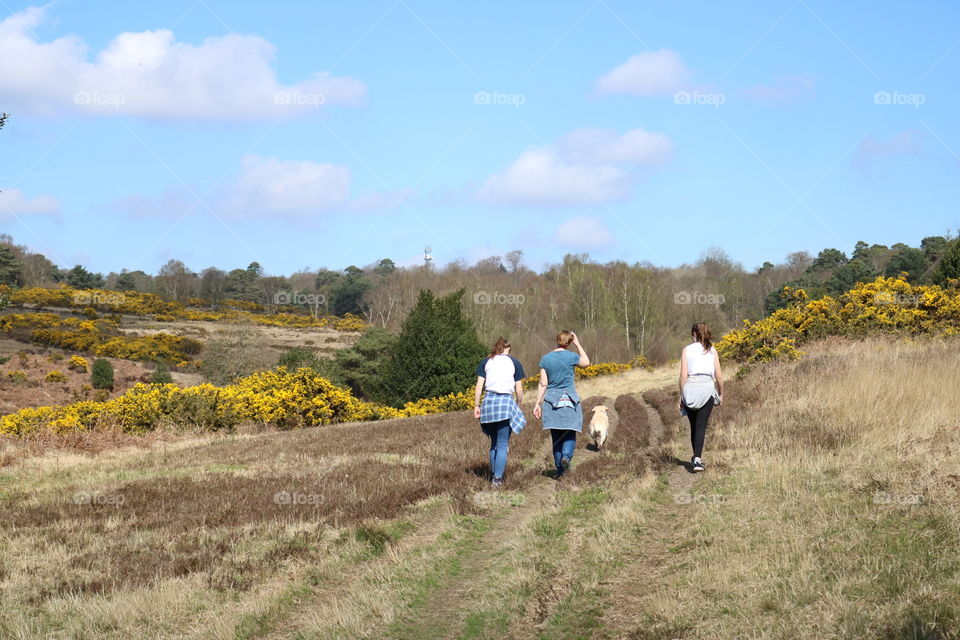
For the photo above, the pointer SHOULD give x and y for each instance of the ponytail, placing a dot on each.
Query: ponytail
(501, 345)
(701, 334)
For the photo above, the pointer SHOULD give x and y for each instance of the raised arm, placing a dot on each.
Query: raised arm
(584, 358)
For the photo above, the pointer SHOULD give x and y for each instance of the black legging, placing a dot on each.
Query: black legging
(698, 425)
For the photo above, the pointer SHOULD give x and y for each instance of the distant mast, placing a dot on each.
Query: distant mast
(427, 258)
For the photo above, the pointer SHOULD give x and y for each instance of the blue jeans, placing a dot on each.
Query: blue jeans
(564, 442)
(499, 433)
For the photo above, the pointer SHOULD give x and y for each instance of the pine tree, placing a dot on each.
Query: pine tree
(949, 266)
(101, 374)
(436, 352)
(10, 267)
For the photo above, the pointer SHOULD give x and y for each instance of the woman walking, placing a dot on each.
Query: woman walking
(499, 414)
(701, 387)
(558, 402)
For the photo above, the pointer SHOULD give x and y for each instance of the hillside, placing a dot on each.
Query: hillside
(830, 509)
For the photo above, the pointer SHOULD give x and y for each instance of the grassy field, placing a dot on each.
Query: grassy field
(231, 349)
(829, 510)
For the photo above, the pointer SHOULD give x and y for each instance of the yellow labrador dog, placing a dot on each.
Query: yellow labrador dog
(599, 424)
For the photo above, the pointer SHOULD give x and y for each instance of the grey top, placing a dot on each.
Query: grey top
(697, 390)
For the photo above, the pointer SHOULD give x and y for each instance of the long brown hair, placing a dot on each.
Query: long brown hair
(701, 333)
(501, 345)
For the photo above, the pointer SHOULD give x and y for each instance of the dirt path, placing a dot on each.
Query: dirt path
(469, 578)
(633, 588)
(679, 477)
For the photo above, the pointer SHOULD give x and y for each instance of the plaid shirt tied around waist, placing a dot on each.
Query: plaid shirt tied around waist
(501, 406)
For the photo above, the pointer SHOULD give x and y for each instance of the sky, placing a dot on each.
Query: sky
(324, 134)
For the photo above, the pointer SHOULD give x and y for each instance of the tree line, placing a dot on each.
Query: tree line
(619, 309)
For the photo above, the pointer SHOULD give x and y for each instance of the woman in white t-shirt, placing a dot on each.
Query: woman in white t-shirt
(500, 375)
(701, 387)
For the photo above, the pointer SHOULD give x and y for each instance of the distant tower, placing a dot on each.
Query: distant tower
(427, 258)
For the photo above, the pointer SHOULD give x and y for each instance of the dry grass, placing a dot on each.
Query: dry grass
(89, 531)
(831, 508)
(206, 514)
(36, 362)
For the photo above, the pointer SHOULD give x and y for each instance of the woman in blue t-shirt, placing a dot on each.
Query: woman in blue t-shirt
(558, 402)
(500, 375)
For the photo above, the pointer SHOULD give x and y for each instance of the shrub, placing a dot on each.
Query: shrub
(886, 305)
(79, 363)
(283, 398)
(435, 354)
(361, 366)
(165, 347)
(101, 376)
(161, 374)
(297, 357)
(56, 376)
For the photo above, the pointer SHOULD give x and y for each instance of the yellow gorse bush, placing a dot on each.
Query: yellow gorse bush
(599, 369)
(151, 304)
(886, 305)
(282, 398)
(88, 335)
(79, 363)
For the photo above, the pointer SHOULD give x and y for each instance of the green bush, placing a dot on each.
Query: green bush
(298, 357)
(101, 374)
(161, 374)
(435, 354)
(361, 367)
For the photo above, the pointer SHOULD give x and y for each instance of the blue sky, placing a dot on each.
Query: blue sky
(305, 134)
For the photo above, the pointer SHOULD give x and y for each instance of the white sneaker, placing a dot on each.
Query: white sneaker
(698, 465)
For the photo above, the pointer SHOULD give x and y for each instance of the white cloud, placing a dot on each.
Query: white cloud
(656, 73)
(287, 188)
(600, 146)
(13, 202)
(268, 188)
(784, 90)
(584, 233)
(151, 74)
(585, 166)
(538, 177)
(903, 144)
